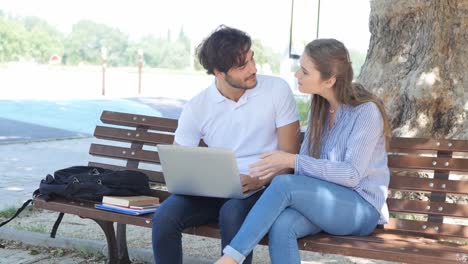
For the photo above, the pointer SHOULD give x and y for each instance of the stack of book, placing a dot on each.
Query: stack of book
(131, 205)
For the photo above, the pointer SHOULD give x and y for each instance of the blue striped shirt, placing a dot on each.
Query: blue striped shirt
(352, 155)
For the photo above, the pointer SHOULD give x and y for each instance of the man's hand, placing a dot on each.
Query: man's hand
(252, 183)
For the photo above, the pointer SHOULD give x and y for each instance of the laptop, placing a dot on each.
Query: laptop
(201, 171)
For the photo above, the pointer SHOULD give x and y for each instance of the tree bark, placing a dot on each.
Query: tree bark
(417, 63)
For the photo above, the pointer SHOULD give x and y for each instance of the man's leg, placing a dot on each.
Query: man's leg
(172, 217)
(231, 217)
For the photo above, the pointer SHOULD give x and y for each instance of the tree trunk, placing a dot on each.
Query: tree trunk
(417, 63)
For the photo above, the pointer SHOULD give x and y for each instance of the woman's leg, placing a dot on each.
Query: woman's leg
(331, 207)
(231, 217)
(282, 237)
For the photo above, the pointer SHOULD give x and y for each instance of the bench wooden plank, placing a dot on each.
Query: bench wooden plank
(427, 163)
(132, 120)
(127, 135)
(436, 229)
(428, 184)
(422, 207)
(393, 250)
(86, 210)
(450, 145)
(124, 153)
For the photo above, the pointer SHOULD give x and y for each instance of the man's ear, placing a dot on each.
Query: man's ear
(218, 74)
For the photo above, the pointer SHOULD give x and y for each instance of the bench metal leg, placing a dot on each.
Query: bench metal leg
(122, 241)
(115, 256)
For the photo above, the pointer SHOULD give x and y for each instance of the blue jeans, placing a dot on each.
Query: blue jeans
(294, 206)
(179, 212)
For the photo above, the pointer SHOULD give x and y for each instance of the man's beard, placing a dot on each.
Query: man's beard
(237, 84)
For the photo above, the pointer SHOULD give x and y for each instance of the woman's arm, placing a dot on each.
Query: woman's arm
(366, 134)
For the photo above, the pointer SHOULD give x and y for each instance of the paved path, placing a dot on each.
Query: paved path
(38, 137)
(32, 120)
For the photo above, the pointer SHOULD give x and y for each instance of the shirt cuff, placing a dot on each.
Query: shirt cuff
(296, 165)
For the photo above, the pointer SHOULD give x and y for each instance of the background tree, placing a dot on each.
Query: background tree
(28, 38)
(266, 55)
(86, 40)
(43, 40)
(418, 63)
(165, 52)
(12, 40)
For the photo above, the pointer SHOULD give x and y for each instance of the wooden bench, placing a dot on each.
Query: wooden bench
(428, 203)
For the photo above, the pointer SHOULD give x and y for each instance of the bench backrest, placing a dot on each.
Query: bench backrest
(428, 187)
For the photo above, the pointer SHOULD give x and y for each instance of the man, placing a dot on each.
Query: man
(241, 111)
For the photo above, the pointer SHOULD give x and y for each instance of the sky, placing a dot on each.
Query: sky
(268, 20)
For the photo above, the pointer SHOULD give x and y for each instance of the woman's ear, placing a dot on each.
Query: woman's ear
(330, 82)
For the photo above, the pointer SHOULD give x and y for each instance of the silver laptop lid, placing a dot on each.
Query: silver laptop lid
(200, 171)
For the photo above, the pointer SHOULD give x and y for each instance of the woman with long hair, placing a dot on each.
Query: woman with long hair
(341, 175)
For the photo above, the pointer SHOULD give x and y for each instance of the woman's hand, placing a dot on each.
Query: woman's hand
(271, 163)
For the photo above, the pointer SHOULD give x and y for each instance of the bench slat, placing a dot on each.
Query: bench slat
(132, 120)
(427, 163)
(437, 229)
(87, 210)
(154, 176)
(124, 153)
(127, 135)
(450, 145)
(421, 207)
(390, 249)
(393, 247)
(428, 184)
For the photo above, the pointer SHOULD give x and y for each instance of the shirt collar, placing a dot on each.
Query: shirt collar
(214, 94)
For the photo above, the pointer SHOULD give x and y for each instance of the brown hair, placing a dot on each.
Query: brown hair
(225, 48)
(331, 59)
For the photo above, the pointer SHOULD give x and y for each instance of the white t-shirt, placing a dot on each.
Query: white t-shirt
(248, 126)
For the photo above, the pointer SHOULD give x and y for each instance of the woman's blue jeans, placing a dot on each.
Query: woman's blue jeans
(294, 206)
(179, 212)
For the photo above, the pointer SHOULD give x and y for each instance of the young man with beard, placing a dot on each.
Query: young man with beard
(241, 111)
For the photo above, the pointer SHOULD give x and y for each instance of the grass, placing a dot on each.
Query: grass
(90, 253)
(37, 229)
(8, 212)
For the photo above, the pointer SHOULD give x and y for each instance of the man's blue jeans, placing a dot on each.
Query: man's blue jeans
(294, 206)
(179, 212)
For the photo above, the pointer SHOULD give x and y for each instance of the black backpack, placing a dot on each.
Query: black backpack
(91, 183)
(88, 183)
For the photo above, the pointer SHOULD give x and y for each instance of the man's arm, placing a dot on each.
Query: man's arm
(288, 138)
(288, 141)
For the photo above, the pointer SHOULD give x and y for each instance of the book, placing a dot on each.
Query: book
(127, 201)
(125, 210)
(144, 207)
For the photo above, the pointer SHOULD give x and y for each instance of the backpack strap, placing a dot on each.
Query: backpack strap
(17, 212)
(56, 225)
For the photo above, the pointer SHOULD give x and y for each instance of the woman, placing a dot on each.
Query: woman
(341, 174)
